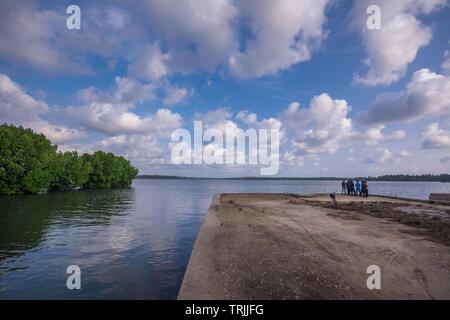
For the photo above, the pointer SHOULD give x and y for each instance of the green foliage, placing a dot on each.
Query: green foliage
(25, 161)
(108, 171)
(29, 163)
(72, 171)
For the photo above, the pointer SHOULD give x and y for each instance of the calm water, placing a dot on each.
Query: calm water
(133, 243)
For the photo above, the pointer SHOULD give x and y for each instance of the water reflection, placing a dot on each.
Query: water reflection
(25, 220)
(128, 244)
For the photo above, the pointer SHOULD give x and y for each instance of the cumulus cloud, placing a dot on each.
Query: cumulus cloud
(159, 38)
(392, 48)
(16, 105)
(175, 95)
(110, 111)
(126, 91)
(375, 135)
(114, 119)
(245, 39)
(108, 17)
(141, 149)
(19, 108)
(380, 156)
(150, 64)
(56, 133)
(223, 119)
(385, 156)
(216, 118)
(231, 125)
(197, 36)
(27, 35)
(32, 35)
(247, 117)
(435, 137)
(284, 33)
(426, 94)
(319, 129)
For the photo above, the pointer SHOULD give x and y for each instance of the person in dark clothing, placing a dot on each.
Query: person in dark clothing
(344, 186)
(365, 189)
(349, 186)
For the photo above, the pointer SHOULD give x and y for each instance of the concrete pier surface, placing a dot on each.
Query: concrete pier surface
(282, 246)
(445, 197)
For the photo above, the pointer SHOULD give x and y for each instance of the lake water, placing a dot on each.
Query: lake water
(129, 243)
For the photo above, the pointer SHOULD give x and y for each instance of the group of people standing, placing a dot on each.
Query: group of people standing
(358, 188)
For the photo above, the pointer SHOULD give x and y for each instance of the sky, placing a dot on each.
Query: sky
(347, 100)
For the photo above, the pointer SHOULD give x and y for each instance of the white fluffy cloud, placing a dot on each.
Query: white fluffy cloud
(200, 36)
(380, 156)
(435, 137)
(196, 36)
(27, 34)
(152, 40)
(155, 39)
(246, 117)
(175, 95)
(141, 149)
(222, 119)
(284, 32)
(375, 135)
(149, 146)
(126, 91)
(56, 133)
(307, 133)
(145, 151)
(320, 129)
(114, 119)
(34, 35)
(110, 111)
(391, 49)
(230, 124)
(18, 107)
(427, 93)
(385, 156)
(150, 63)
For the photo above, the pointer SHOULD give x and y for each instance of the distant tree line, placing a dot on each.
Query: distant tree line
(29, 163)
(426, 177)
(402, 177)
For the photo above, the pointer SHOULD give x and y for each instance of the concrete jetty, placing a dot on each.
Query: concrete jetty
(444, 197)
(285, 246)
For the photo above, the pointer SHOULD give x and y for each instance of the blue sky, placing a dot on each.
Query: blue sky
(348, 100)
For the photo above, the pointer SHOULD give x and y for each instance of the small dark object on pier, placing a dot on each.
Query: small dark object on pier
(333, 197)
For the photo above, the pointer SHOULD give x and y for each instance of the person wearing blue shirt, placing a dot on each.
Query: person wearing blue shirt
(358, 188)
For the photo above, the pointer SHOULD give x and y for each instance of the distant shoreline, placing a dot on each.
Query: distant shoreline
(425, 178)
